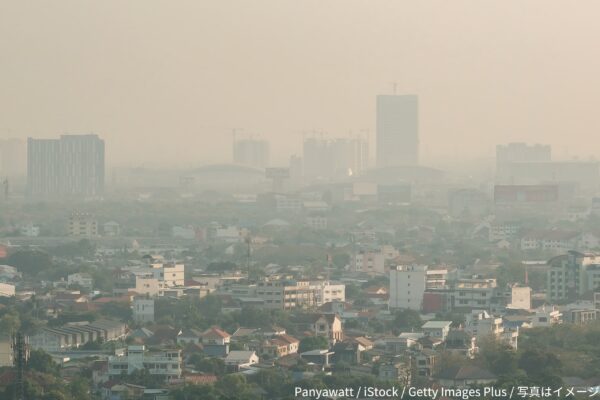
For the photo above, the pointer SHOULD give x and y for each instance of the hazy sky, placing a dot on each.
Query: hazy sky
(165, 82)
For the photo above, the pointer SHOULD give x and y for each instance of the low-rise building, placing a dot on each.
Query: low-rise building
(166, 364)
(239, 359)
(82, 279)
(369, 262)
(143, 310)
(82, 225)
(437, 329)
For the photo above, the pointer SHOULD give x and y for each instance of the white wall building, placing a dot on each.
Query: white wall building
(168, 363)
(520, 298)
(407, 286)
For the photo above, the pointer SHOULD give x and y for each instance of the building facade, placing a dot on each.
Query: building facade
(70, 166)
(397, 130)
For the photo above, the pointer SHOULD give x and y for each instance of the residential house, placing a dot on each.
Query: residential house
(216, 342)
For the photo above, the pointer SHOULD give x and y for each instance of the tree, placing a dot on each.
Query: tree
(210, 365)
(313, 343)
(10, 323)
(41, 361)
(30, 261)
(407, 320)
(500, 358)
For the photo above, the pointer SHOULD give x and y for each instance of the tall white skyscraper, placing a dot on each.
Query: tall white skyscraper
(70, 166)
(397, 130)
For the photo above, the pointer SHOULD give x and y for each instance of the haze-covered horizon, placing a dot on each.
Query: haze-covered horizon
(166, 83)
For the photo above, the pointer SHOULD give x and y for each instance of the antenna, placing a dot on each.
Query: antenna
(248, 251)
(21, 356)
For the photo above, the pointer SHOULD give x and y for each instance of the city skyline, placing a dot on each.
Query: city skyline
(484, 73)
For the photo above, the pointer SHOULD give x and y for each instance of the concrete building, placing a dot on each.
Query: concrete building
(397, 130)
(70, 166)
(251, 152)
(521, 152)
(216, 342)
(143, 310)
(571, 275)
(82, 225)
(475, 293)
(6, 352)
(520, 298)
(239, 359)
(437, 329)
(369, 262)
(481, 325)
(407, 286)
(290, 294)
(168, 363)
(334, 158)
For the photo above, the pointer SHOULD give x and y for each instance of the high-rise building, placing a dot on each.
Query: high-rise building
(397, 130)
(407, 286)
(251, 152)
(335, 158)
(522, 152)
(70, 166)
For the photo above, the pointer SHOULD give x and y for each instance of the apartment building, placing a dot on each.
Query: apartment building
(290, 294)
(571, 275)
(473, 293)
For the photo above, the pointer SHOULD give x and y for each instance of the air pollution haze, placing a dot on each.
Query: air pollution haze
(166, 83)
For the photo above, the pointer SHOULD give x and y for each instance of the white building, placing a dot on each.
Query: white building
(290, 294)
(167, 364)
(143, 310)
(407, 286)
(241, 359)
(169, 274)
(481, 325)
(437, 329)
(520, 298)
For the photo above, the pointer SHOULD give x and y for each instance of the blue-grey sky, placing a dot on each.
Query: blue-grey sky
(164, 82)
